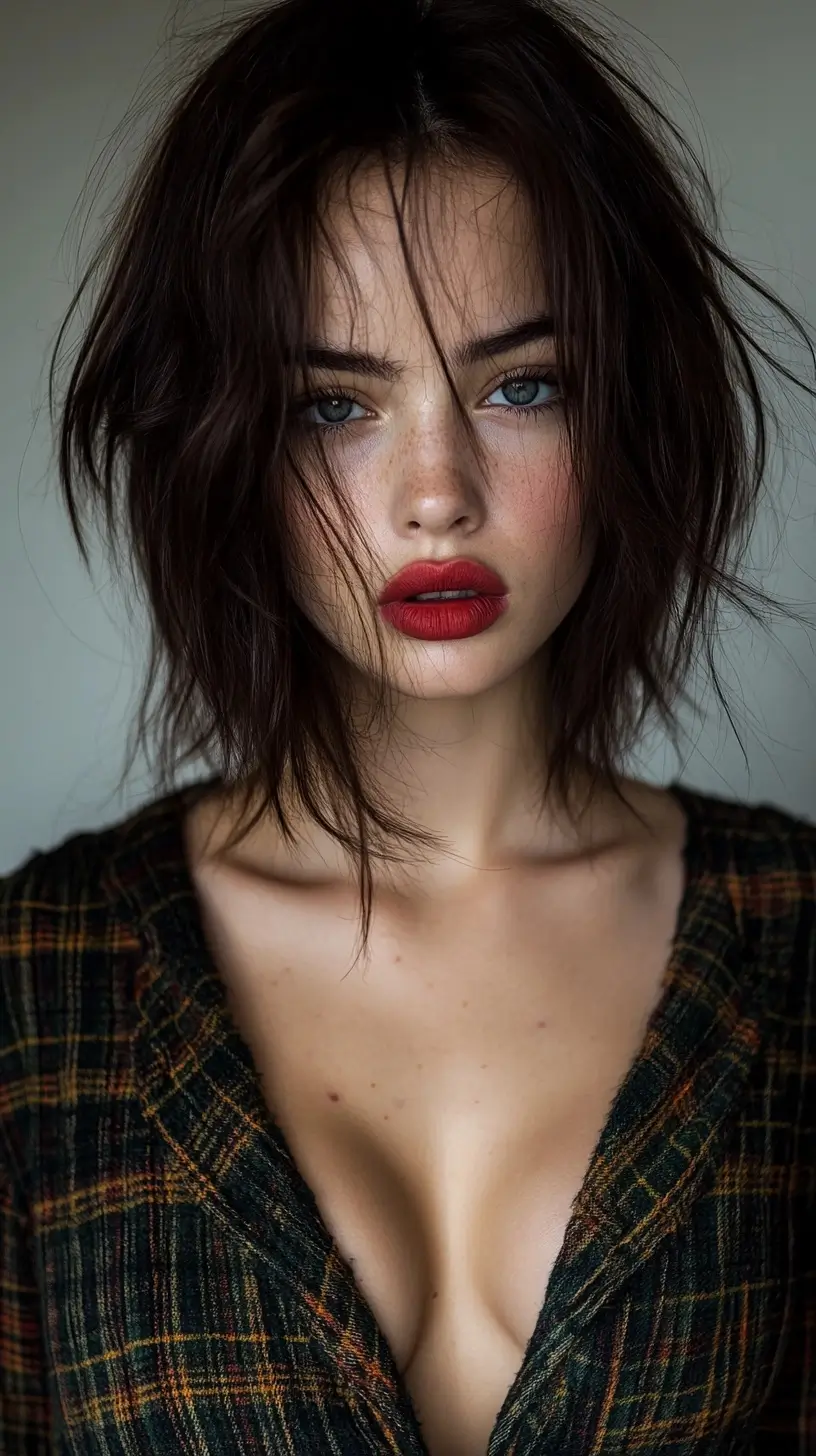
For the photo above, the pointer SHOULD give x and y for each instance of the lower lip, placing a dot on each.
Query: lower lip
(442, 621)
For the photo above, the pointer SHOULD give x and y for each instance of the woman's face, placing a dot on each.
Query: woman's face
(406, 465)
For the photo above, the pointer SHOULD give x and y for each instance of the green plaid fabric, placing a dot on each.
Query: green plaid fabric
(167, 1284)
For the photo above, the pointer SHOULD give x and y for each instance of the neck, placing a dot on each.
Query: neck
(468, 771)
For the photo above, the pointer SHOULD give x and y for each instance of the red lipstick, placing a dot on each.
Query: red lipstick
(447, 617)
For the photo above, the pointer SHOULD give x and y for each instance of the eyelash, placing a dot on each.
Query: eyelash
(513, 376)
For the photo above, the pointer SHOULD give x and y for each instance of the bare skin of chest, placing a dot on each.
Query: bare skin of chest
(443, 1101)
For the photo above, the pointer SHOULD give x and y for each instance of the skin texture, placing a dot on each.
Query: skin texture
(461, 758)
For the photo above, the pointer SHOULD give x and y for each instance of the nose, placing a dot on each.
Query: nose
(439, 513)
(439, 489)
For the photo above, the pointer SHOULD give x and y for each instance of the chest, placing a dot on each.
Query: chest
(443, 1103)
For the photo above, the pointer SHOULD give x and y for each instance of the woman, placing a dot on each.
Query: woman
(415, 376)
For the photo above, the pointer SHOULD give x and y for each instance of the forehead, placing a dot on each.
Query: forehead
(471, 238)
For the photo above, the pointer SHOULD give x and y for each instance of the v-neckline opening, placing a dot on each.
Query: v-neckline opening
(186, 910)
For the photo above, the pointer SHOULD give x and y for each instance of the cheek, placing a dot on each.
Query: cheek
(318, 565)
(542, 513)
(308, 523)
(541, 499)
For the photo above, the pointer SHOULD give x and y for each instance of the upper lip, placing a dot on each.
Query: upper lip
(434, 576)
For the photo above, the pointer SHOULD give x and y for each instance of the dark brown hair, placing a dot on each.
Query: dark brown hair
(177, 416)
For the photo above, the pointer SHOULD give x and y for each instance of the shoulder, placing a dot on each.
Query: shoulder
(55, 935)
(71, 944)
(751, 896)
(757, 920)
(62, 943)
(766, 857)
(752, 837)
(47, 907)
(760, 860)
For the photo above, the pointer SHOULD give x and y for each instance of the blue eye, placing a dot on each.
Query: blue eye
(525, 392)
(333, 406)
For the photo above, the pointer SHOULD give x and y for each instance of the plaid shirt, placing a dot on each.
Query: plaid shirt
(167, 1284)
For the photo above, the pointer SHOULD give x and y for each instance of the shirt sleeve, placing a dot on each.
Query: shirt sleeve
(25, 1416)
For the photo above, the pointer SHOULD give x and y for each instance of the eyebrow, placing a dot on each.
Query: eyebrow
(320, 355)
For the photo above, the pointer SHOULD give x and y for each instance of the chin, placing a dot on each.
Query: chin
(454, 680)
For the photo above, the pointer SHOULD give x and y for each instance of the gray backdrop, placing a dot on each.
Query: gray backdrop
(738, 75)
